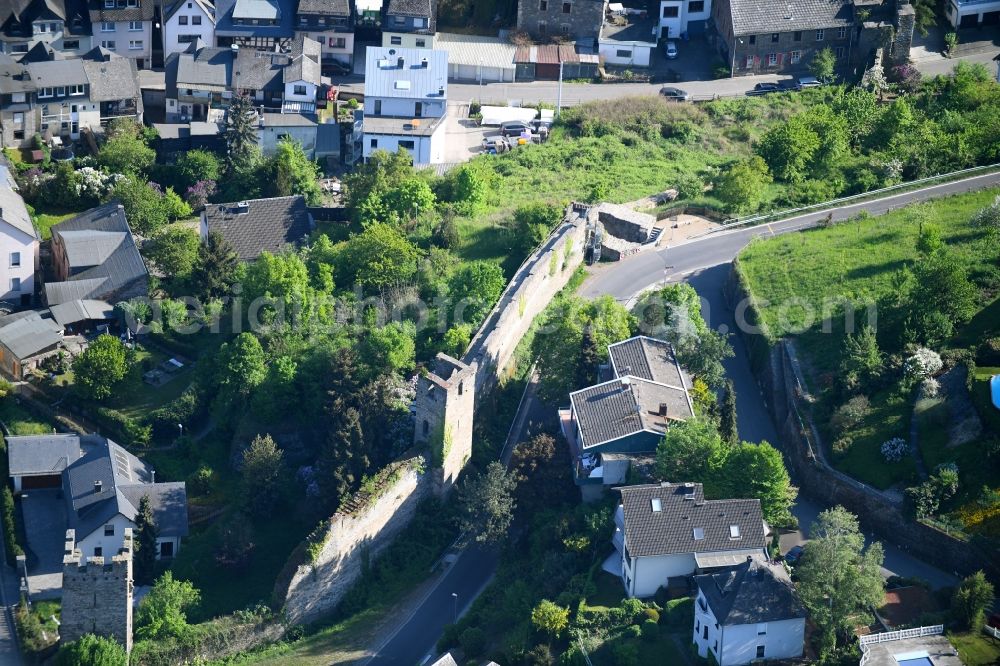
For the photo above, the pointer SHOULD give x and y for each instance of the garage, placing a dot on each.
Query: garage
(472, 56)
(36, 462)
(40, 482)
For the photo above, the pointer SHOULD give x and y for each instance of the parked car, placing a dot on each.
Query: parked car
(764, 89)
(670, 49)
(675, 94)
(809, 82)
(788, 84)
(514, 128)
(793, 555)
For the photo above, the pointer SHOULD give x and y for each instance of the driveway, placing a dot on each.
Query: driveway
(463, 137)
(44, 513)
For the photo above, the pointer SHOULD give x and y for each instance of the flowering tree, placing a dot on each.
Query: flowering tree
(923, 363)
(906, 78)
(894, 449)
(874, 79)
(197, 195)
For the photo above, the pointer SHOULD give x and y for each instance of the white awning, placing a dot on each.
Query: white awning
(726, 558)
(496, 115)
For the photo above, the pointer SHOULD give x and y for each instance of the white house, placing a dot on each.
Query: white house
(103, 485)
(331, 23)
(747, 613)
(18, 244)
(124, 27)
(678, 17)
(406, 102)
(670, 530)
(628, 38)
(972, 13)
(185, 22)
(410, 24)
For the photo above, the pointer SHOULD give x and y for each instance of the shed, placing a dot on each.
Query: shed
(537, 62)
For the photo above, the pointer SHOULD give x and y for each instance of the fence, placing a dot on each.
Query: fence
(889, 636)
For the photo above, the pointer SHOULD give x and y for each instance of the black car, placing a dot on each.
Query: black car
(788, 84)
(793, 555)
(676, 94)
(764, 89)
(514, 128)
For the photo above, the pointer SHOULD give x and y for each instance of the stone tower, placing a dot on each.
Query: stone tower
(444, 406)
(97, 594)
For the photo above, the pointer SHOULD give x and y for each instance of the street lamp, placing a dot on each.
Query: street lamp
(454, 597)
(180, 428)
(732, 68)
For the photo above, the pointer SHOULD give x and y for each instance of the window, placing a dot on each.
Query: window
(774, 37)
(760, 651)
(15, 259)
(395, 41)
(98, 551)
(19, 118)
(374, 143)
(623, 53)
(398, 20)
(107, 26)
(421, 43)
(541, 27)
(734, 531)
(772, 59)
(167, 549)
(762, 629)
(108, 44)
(19, 48)
(109, 4)
(195, 20)
(839, 52)
(378, 107)
(749, 63)
(543, 5)
(841, 33)
(696, 6)
(564, 28)
(186, 39)
(819, 35)
(18, 98)
(182, 20)
(567, 7)
(61, 91)
(671, 11)
(71, 44)
(656, 504)
(704, 635)
(109, 530)
(341, 42)
(699, 533)
(41, 27)
(795, 57)
(298, 90)
(45, 92)
(134, 44)
(418, 109)
(753, 39)
(408, 144)
(797, 36)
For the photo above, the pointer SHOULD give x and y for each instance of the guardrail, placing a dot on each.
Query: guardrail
(991, 631)
(889, 636)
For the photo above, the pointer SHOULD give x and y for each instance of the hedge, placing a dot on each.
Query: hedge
(188, 408)
(121, 427)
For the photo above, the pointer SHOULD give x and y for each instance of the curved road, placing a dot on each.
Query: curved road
(704, 262)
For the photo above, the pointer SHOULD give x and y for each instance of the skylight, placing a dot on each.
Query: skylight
(734, 531)
(402, 85)
(699, 533)
(657, 504)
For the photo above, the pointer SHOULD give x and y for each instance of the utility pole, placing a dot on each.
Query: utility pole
(559, 98)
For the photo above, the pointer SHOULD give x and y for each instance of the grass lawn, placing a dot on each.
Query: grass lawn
(136, 398)
(976, 649)
(19, 421)
(889, 417)
(609, 594)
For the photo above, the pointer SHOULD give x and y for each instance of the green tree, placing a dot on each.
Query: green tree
(929, 240)
(823, 65)
(261, 476)
(862, 360)
(125, 152)
(143, 205)
(532, 224)
(839, 577)
(344, 458)
(472, 185)
(162, 613)
(281, 278)
(241, 369)
(382, 171)
(175, 207)
(988, 219)
(380, 257)
(101, 367)
(549, 618)
(292, 172)
(741, 187)
(691, 451)
(174, 250)
(727, 418)
(390, 348)
(558, 344)
(486, 504)
(925, 15)
(146, 533)
(831, 129)
(195, 165)
(758, 471)
(407, 201)
(240, 135)
(457, 339)
(278, 396)
(91, 650)
(215, 271)
(942, 285)
(971, 599)
(474, 288)
(237, 543)
(789, 147)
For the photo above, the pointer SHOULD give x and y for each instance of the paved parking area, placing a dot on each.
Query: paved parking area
(44, 514)
(463, 137)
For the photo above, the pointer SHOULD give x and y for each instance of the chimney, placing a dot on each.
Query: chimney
(241, 207)
(152, 476)
(97, 486)
(423, 63)
(441, 91)
(400, 62)
(663, 409)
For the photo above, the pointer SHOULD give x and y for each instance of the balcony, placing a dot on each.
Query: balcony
(298, 107)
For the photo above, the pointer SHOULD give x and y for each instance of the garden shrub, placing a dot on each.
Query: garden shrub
(850, 414)
(894, 449)
(842, 445)
(200, 482)
(122, 427)
(988, 353)
(9, 533)
(185, 409)
(633, 631)
(473, 641)
(652, 614)
(626, 654)
(650, 630)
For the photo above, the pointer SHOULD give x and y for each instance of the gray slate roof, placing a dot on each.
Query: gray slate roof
(618, 408)
(111, 77)
(17, 16)
(647, 358)
(42, 454)
(53, 73)
(101, 234)
(13, 76)
(671, 530)
(752, 17)
(305, 61)
(269, 225)
(29, 333)
(207, 7)
(199, 67)
(225, 27)
(414, 8)
(749, 593)
(124, 480)
(258, 70)
(382, 73)
(325, 7)
(85, 310)
(144, 12)
(14, 212)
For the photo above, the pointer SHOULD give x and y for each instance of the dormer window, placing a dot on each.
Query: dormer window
(109, 4)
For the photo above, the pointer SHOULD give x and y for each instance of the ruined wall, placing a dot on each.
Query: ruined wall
(360, 531)
(444, 407)
(97, 594)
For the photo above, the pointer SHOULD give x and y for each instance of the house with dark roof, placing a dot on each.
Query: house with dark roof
(611, 423)
(331, 24)
(124, 27)
(569, 19)
(18, 117)
(265, 25)
(19, 242)
(410, 24)
(669, 530)
(27, 338)
(94, 256)
(186, 22)
(197, 80)
(102, 484)
(63, 25)
(259, 225)
(280, 82)
(748, 613)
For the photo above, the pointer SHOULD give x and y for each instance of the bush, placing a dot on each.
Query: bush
(473, 641)
(650, 630)
(9, 534)
(186, 409)
(842, 445)
(122, 427)
(633, 631)
(850, 414)
(201, 481)
(894, 449)
(626, 654)
(988, 353)
(652, 614)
